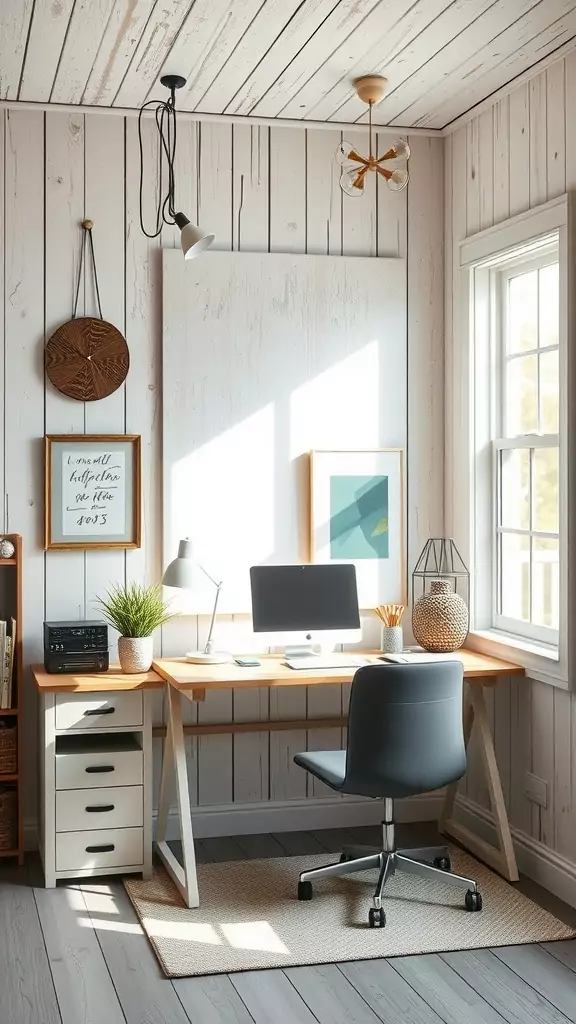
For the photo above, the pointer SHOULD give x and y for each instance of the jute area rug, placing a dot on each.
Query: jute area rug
(249, 917)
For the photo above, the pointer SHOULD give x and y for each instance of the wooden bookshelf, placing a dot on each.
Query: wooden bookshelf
(11, 607)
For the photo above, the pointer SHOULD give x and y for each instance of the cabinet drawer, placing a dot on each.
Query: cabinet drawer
(98, 710)
(96, 769)
(114, 807)
(99, 848)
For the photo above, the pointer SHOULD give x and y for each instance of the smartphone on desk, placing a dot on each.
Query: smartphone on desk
(247, 662)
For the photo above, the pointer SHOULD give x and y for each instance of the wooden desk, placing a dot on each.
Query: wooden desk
(193, 681)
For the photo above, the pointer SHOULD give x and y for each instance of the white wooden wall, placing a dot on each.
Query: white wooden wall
(259, 189)
(515, 155)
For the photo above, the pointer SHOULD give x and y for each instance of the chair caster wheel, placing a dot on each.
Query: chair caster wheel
(343, 858)
(443, 863)
(473, 900)
(305, 890)
(376, 918)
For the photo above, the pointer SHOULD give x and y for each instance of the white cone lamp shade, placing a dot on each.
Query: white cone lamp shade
(183, 574)
(193, 239)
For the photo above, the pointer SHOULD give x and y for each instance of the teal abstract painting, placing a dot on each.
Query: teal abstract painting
(359, 517)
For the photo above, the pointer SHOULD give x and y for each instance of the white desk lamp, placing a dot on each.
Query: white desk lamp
(182, 573)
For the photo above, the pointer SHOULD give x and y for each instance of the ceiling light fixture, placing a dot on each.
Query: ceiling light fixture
(193, 239)
(355, 167)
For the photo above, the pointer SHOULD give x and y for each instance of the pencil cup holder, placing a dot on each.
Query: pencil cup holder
(392, 639)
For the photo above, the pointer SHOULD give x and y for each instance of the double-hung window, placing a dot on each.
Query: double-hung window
(511, 450)
(525, 481)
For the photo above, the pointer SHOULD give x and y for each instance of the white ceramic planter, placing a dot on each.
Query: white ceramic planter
(135, 653)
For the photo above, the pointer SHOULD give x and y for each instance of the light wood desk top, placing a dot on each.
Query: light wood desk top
(273, 672)
(79, 682)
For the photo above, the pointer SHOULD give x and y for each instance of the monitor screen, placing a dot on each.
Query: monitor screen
(295, 598)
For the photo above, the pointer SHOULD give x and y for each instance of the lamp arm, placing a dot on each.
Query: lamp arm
(208, 647)
(215, 582)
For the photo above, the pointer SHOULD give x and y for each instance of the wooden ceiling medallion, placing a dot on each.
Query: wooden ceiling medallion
(87, 358)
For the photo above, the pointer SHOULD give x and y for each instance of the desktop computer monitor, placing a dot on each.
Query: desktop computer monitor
(303, 605)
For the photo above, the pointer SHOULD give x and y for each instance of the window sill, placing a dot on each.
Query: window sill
(541, 661)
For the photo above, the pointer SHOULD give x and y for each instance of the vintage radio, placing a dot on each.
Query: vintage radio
(76, 646)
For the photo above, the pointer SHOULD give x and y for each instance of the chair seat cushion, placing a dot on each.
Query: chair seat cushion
(327, 765)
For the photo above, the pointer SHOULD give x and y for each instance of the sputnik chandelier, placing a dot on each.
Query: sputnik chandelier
(355, 167)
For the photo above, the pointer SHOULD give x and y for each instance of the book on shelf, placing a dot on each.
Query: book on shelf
(7, 650)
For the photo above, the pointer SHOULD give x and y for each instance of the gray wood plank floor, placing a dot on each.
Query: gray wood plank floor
(77, 955)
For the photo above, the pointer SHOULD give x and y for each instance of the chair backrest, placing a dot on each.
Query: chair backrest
(405, 733)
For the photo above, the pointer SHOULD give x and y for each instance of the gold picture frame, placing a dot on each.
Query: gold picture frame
(92, 492)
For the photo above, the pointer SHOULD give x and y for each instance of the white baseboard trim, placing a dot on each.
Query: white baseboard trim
(295, 815)
(543, 865)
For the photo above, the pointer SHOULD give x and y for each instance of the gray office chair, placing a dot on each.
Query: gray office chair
(405, 737)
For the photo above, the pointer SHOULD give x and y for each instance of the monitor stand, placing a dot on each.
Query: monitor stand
(300, 651)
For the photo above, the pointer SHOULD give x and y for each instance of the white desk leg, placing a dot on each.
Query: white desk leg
(183, 875)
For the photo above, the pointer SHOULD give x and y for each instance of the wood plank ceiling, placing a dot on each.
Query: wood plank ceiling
(278, 58)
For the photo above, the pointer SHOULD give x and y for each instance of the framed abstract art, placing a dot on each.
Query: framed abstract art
(357, 515)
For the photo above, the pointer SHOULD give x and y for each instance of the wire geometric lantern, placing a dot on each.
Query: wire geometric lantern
(440, 560)
(356, 167)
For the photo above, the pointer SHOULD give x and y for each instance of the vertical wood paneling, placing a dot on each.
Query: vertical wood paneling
(556, 130)
(538, 161)
(104, 203)
(472, 177)
(501, 111)
(519, 150)
(391, 207)
(64, 210)
(425, 344)
(250, 187)
(323, 194)
(520, 753)
(24, 387)
(542, 760)
(564, 839)
(486, 168)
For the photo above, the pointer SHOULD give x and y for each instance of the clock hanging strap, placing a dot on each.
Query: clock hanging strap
(87, 226)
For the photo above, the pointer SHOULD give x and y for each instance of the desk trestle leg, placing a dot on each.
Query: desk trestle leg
(174, 760)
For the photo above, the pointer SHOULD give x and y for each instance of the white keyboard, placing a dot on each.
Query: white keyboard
(323, 663)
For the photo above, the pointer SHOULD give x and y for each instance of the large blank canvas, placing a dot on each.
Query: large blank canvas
(265, 357)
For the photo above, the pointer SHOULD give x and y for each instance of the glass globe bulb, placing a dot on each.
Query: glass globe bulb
(347, 179)
(342, 152)
(401, 150)
(398, 181)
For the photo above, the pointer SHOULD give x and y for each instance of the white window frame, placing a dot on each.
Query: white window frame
(544, 254)
(470, 512)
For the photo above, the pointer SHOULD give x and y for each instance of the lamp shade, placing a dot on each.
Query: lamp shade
(193, 239)
(181, 572)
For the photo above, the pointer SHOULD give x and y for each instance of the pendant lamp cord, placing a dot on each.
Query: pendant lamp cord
(165, 117)
(87, 226)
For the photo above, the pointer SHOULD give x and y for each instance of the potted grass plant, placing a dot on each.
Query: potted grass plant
(135, 611)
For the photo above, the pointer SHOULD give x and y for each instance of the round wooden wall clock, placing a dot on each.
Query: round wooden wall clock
(87, 358)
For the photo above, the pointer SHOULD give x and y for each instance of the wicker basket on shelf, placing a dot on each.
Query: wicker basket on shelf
(8, 819)
(8, 752)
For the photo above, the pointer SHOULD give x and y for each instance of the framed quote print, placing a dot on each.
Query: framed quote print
(357, 515)
(92, 491)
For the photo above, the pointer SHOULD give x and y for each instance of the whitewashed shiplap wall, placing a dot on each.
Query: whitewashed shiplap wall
(259, 189)
(515, 155)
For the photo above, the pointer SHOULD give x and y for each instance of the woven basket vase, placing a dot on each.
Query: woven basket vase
(440, 619)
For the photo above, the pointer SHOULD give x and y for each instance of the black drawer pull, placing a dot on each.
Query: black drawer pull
(106, 848)
(99, 711)
(100, 808)
(94, 768)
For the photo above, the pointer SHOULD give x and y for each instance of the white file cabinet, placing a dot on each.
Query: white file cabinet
(96, 775)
